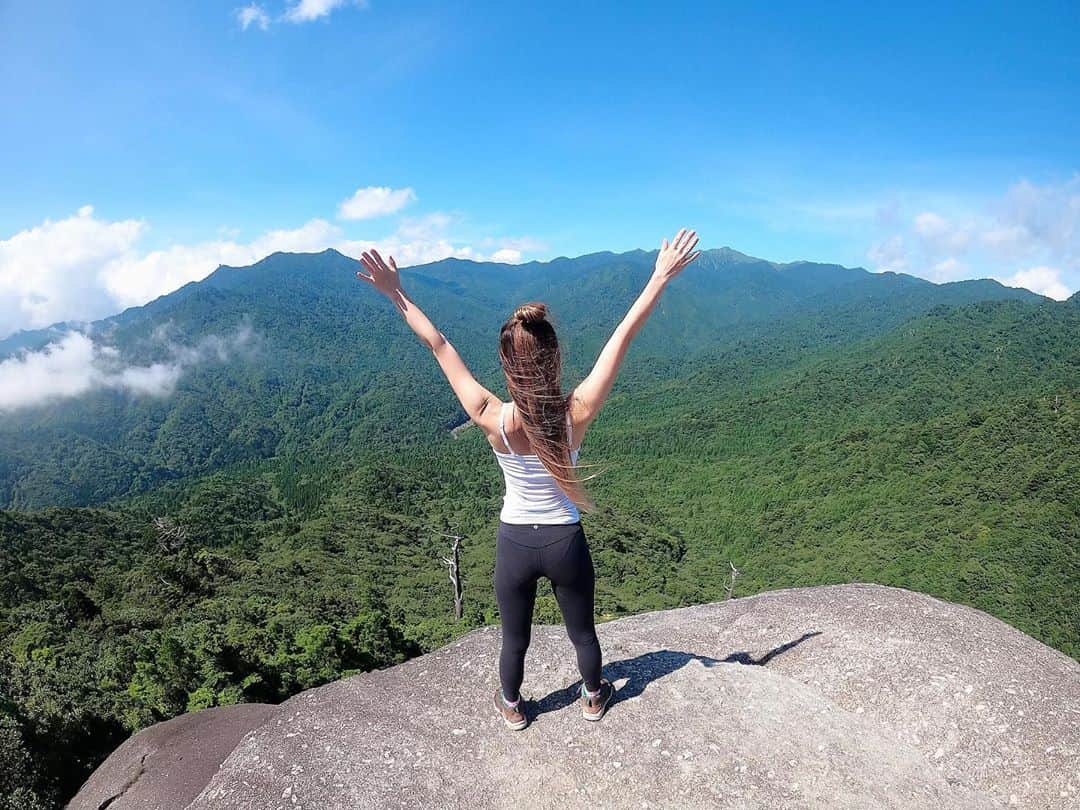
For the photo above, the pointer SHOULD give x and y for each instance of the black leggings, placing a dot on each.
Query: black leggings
(523, 554)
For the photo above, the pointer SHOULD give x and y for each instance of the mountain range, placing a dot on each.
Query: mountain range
(239, 491)
(294, 355)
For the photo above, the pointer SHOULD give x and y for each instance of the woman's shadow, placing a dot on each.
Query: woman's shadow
(642, 670)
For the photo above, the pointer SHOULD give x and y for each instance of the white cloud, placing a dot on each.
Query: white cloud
(157, 379)
(1004, 239)
(1029, 237)
(253, 14)
(1034, 219)
(308, 10)
(939, 234)
(930, 225)
(427, 238)
(375, 201)
(83, 268)
(75, 365)
(515, 244)
(506, 255)
(426, 227)
(418, 240)
(135, 279)
(62, 369)
(1043, 280)
(889, 254)
(298, 11)
(949, 269)
(49, 273)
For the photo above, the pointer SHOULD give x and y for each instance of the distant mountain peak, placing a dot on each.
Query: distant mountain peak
(729, 254)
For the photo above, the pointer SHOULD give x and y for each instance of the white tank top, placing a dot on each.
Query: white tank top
(532, 494)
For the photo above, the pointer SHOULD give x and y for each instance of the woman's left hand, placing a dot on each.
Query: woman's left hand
(384, 277)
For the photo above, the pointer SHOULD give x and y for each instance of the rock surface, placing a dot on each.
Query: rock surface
(168, 764)
(848, 696)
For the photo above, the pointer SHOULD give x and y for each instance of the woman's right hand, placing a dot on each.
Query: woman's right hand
(674, 257)
(384, 276)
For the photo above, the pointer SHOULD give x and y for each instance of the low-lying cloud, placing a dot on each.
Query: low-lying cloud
(77, 364)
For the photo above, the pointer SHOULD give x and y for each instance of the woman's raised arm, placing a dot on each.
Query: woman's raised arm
(594, 389)
(474, 398)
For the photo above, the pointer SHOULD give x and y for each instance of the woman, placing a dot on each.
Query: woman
(533, 437)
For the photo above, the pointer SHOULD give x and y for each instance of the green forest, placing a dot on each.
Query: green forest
(276, 522)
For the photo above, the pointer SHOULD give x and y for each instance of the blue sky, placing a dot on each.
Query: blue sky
(144, 142)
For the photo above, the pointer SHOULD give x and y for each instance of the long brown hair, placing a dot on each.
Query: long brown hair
(532, 362)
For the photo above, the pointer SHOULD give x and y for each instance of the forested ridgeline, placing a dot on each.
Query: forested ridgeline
(932, 445)
(294, 356)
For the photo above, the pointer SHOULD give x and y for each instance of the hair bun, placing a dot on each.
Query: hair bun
(533, 312)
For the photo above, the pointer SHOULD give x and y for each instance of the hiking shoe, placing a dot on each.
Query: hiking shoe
(594, 708)
(513, 717)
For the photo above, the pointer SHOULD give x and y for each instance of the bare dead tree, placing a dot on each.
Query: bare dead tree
(452, 563)
(734, 573)
(171, 536)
